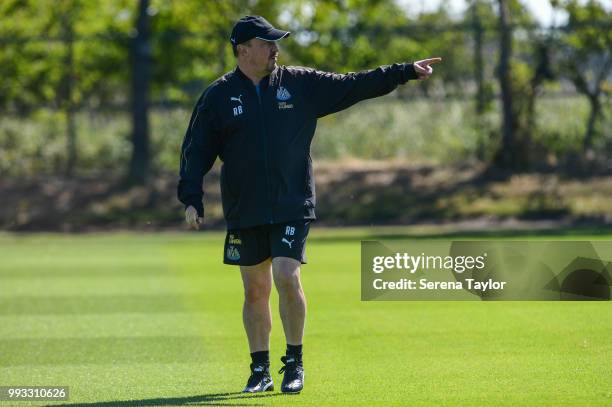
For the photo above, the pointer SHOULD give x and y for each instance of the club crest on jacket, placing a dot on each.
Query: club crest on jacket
(283, 94)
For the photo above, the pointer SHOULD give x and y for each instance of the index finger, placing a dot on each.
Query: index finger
(431, 61)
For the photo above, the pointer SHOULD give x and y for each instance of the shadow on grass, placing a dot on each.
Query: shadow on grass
(215, 399)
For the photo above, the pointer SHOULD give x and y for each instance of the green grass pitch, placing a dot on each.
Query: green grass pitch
(130, 319)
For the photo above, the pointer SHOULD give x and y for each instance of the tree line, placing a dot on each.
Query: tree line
(72, 55)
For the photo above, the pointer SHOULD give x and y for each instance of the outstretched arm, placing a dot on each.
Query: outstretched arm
(332, 92)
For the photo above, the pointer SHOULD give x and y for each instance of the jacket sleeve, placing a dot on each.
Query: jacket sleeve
(333, 92)
(198, 153)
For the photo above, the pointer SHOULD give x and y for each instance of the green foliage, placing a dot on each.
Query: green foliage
(587, 38)
(451, 45)
(561, 125)
(421, 131)
(586, 58)
(36, 145)
(190, 48)
(346, 36)
(36, 36)
(358, 34)
(418, 131)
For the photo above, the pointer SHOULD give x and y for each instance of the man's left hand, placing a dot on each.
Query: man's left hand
(423, 68)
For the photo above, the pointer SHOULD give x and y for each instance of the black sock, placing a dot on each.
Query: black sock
(261, 357)
(295, 351)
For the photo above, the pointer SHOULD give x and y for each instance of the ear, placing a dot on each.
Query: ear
(243, 48)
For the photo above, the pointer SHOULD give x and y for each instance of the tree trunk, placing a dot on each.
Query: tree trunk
(540, 74)
(141, 72)
(68, 94)
(72, 141)
(478, 59)
(593, 116)
(505, 157)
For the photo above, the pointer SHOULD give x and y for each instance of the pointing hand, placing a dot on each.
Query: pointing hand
(423, 68)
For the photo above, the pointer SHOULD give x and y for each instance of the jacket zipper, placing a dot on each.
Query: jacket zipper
(265, 150)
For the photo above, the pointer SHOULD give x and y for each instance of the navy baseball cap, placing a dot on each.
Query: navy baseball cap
(255, 27)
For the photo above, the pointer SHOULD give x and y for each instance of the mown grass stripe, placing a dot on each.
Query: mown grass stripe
(100, 304)
(94, 286)
(388, 353)
(25, 272)
(108, 350)
(209, 323)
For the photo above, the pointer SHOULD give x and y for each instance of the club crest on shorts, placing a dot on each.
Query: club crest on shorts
(232, 253)
(283, 94)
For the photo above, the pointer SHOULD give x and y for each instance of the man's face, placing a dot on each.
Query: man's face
(261, 55)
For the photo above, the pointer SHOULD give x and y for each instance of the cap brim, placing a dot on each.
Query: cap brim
(274, 35)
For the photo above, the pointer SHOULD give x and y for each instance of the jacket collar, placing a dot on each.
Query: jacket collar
(265, 82)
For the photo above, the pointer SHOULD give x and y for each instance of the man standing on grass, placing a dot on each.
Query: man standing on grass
(259, 119)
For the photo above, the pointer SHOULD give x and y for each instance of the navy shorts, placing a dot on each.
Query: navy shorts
(251, 246)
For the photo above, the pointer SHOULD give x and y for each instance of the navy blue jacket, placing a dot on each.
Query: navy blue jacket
(264, 140)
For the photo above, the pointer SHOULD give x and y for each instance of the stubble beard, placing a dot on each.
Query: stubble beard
(271, 65)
